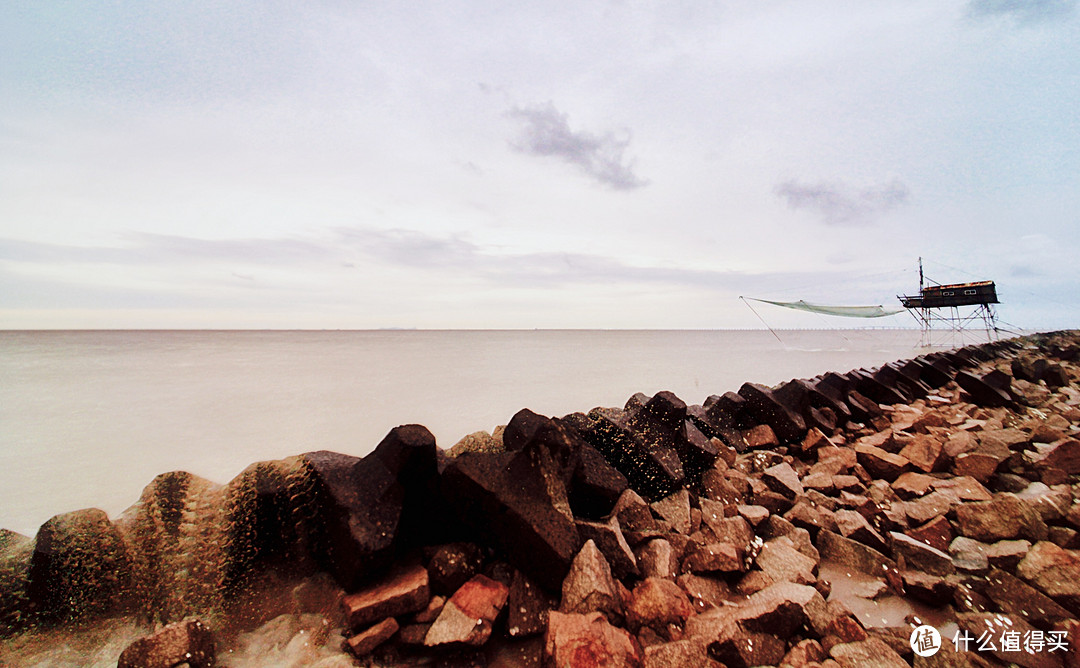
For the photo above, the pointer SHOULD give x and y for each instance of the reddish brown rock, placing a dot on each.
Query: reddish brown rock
(705, 592)
(880, 463)
(588, 640)
(403, 592)
(1054, 571)
(187, 642)
(783, 609)
(714, 558)
(675, 509)
(468, 616)
(742, 648)
(911, 484)
(782, 479)
(364, 642)
(783, 563)
(657, 603)
(589, 586)
(978, 465)
(1005, 516)
(937, 533)
(452, 565)
(925, 453)
(869, 653)
(1063, 455)
(854, 525)
(609, 538)
(803, 653)
(759, 437)
(920, 556)
(853, 554)
(688, 652)
(1006, 554)
(1014, 597)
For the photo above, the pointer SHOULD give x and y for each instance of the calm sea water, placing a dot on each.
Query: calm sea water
(88, 418)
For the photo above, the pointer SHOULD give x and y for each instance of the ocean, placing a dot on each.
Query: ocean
(89, 418)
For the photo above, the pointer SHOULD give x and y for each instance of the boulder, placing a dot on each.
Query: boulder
(359, 505)
(853, 554)
(920, 556)
(784, 609)
(783, 563)
(518, 504)
(596, 485)
(869, 653)
(183, 643)
(588, 640)
(80, 566)
(714, 558)
(657, 603)
(881, 463)
(651, 469)
(853, 524)
(782, 479)
(779, 412)
(925, 453)
(1054, 571)
(982, 393)
(675, 510)
(1003, 517)
(1016, 598)
(657, 558)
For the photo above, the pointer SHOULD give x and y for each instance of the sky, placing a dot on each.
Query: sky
(622, 164)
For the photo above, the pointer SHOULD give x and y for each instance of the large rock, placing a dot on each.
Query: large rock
(80, 567)
(1054, 571)
(881, 463)
(657, 603)
(780, 413)
(359, 504)
(651, 469)
(1005, 516)
(518, 504)
(920, 556)
(869, 653)
(187, 643)
(783, 563)
(983, 393)
(588, 640)
(663, 422)
(784, 609)
(1014, 597)
(853, 554)
(527, 607)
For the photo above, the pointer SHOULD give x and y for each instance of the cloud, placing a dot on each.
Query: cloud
(546, 132)
(841, 204)
(1027, 11)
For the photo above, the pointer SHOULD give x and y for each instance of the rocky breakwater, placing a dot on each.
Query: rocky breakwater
(817, 522)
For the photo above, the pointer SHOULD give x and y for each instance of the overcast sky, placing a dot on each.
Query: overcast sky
(335, 164)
